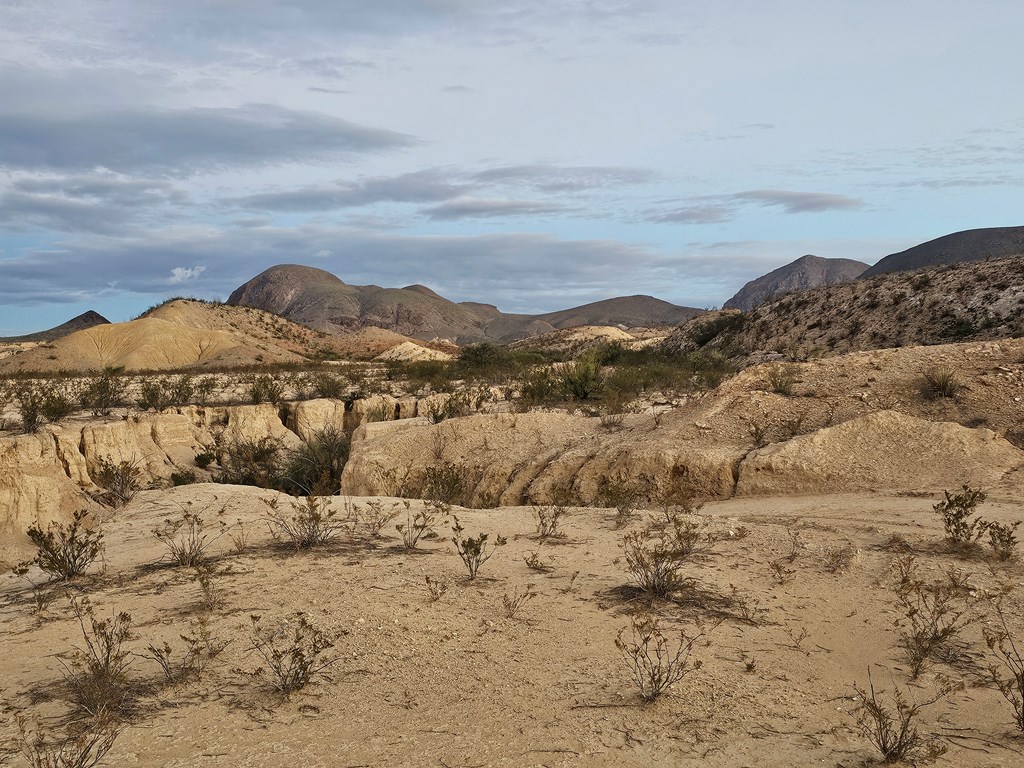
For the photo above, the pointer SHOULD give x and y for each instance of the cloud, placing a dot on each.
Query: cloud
(427, 186)
(98, 203)
(181, 275)
(476, 208)
(458, 89)
(800, 202)
(182, 141)
(553, 178)
(708, 213)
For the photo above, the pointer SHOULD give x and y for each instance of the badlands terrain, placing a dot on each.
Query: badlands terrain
(783, 474)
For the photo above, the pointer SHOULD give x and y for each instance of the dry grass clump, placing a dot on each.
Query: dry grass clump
(940, 382)
(42, 747)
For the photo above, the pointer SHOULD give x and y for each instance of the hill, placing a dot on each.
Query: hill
(803, 274)
(186, 333)
(968, 246)
(85, 320)
(951, 303)
(320, 300)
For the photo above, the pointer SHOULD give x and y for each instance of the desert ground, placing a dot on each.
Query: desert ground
(456, 682)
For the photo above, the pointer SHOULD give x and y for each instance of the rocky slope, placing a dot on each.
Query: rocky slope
(803, 274)
(968, 246)
(955, 302)
(322, 301)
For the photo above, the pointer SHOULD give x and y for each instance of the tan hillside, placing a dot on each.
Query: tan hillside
(572, 342)
(185, 333)
(956, 302)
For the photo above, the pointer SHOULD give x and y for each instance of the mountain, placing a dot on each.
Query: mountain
(320, 300)
(85, 320)
(951, 303)
(967, 246)
(803, 274)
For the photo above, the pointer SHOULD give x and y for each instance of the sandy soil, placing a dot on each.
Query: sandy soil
(457, 683)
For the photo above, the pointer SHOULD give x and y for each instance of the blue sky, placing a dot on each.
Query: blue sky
(534, 155)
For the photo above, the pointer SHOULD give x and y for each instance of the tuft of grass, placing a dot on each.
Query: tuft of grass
(940, 382)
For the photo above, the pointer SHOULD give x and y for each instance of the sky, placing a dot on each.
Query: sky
(533, 154)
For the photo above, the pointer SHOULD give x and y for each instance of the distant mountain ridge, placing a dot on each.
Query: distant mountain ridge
(322, 301)
(967, 246)
(88, 319)
(805, 273)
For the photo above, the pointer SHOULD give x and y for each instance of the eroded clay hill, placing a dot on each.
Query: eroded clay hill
(184, 334)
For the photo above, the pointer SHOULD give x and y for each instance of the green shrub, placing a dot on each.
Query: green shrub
(893, 731)
(315, 468)
(310, 523)
(782, 378)
(258, 462)
(264, 388)
(581, 380)
(444, 483)
(473, 551)
(956, 509)
(105, 392)
(49, 400)
(165, 392)
(121, 481)
(205, 459)
(1003, 539)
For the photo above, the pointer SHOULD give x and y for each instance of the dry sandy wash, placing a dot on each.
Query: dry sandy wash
(457, 683)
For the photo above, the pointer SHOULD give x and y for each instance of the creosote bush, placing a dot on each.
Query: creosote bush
(956, 510)
(655, 554)
(473, 550)
(264, 388)
(64, 551)
(315, 467)
(310, 523)
(165, 391)
(548, 518)
(186, 538)
(444, 483)
(932, 616)
(1008, 672)
(292, 653)
(892, 729)
(258, 462)
(102, 393)
(44, 400)
(420, 524)
(97, 674)
(83, 748)
(654, 662)
(121, 481)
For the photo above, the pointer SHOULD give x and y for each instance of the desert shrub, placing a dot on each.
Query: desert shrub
(455, 405)
(310, 523)
(956, 510)
(84, 748)
(758, 433)
(205, 459)
(203, 389)
(165, 391)
(513, 603)
(1002, 539)
(654, 559)
(120, 481)
(435, 588)
(292, 653)
(444, 483)
(199, 650)
(622, 493)
(258, 462)
(548, 519)
(581, 380)
(315, 468)
(1008, 671)
(420, 524)
(711, 368)
(105, 392)
(64, 551)
(534, 563)
(473, 550)
(97, 674)
(44, 400)
(940, 382)
(837, 558)
(186, 538)
(210, 592)
(724, 324)
(892, 730)
(932, 616)
(263, 388)
(654, 663)
(782, 378)
(184, 477)
(374, 517)
(539, 387)
(326, 384)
